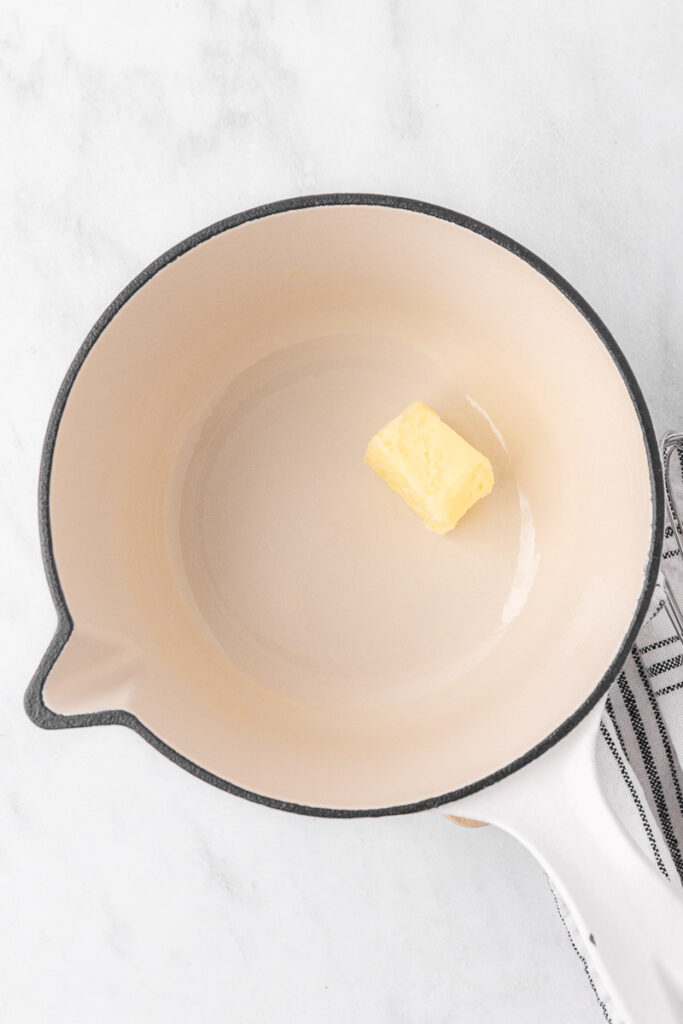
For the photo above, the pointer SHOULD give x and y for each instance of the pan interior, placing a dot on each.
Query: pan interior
(244, 584)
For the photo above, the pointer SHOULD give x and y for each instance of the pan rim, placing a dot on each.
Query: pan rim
(34, 702)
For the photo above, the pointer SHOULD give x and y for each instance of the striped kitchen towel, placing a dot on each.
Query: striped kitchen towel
(642, 726)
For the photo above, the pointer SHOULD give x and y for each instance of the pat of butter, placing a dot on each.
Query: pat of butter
(435, 471)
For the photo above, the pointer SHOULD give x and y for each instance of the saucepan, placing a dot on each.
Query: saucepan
(232, 582)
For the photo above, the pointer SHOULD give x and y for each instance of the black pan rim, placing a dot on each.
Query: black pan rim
(34, 704)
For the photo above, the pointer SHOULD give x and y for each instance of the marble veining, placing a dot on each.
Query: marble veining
(129, 890)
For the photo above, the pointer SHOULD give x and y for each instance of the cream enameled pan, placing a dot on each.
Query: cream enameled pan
(233, 582)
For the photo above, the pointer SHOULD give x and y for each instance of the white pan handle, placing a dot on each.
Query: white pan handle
(629, 916)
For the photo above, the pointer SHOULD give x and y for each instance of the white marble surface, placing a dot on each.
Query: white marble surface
(130, 892)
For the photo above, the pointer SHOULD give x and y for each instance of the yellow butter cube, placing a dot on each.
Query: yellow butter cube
(435, 471)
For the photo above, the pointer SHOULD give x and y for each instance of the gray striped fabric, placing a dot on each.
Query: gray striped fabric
(642, 727)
